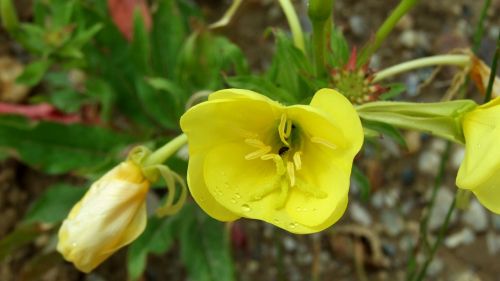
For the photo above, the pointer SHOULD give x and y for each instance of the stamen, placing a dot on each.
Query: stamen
(254, 142)
(297, 161)
(258, 153)
(282, 129)
(323, 142)
(280, 166)
(291, 172)
(280, 202)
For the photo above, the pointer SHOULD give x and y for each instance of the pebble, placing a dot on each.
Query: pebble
(475, 216)
(493, 243)
(357, 25)
(457, 157)
(444, 198)
(412, 39)
(435, 267)
(413, 141)
(359, 214)
(463, 237)
(377, 199)
(289, 244)
(496, 221)
(468, 275)
(438, 145)
(392, 221)
(428, 162)
(412, 81)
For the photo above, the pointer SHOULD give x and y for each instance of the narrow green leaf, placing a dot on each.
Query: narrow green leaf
(21, 236)
(386, 129)
(395, 90)
(59, 148)
(205, 249)
(363, 183)
(54, 204)
(156, 238)
(34, 72)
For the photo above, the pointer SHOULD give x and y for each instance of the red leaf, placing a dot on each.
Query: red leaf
(122, 13)
(43, 111)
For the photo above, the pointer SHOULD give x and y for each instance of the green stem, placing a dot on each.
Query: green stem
(493, 72)
(458, 60)
(293, 22)
(319, 45)
(478, 33)
(438, 242)
(163, 153)
(384, 30)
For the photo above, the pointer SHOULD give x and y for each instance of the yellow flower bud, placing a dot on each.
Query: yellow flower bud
(111, 215)
(479, 170)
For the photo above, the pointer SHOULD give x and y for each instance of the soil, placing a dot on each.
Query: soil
(350, 250)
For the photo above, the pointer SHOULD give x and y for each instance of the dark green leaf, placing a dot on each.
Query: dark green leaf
(261, 85)
(54, 204)
(140, 51)
(205, 249)
(363, 183)
(21, 236)
(387, 130)
(339, 48)
(34, 72)
(156, 238)
(395, 90)
(59, 148)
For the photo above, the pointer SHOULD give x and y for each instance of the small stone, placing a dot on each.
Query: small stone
(457, 157)
(435, 267)
(377, 199)
(444, 197)
(392, 197)
(476, 216)
(359, 214)
(468, 275)
(408, 38)
(438, 145)
(496, 221)
(289, 244)
(428, 162)
(463, 237)
(493, 243)
(412, 81)
(389, 249)
(358, 25)
(392, 221)
(413, 141)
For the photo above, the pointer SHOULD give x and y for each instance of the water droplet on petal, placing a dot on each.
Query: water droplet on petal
(74, 244)
(246, 208)
(237, 195)
(292, 225)
(233, 201)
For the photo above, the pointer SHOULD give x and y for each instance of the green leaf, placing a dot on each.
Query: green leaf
(140, 51)
(291, 71)
(101, 91)
(363, 182)
(261, 85)
(34, 72)
(395, 90)
(157, 238)
(159, 106)
(339, 48)
(54, 204)
(205, 249)
(59, 148)
(21, 236)
(386, 129)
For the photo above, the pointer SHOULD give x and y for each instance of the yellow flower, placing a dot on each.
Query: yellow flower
(479, 170)
(253, 157)
(111, 215)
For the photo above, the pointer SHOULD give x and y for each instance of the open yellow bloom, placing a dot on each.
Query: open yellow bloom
(111, 215)
(287, 165)
(479, 170)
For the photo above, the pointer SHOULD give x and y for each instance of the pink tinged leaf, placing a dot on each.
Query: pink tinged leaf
(122, 13)
(44, 111)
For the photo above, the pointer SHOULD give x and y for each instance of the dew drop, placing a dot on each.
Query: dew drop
(276, 221)
(237, 195)
(245, 208)
(292, 225)
(233, 201)
(74, 244)
(298, 209)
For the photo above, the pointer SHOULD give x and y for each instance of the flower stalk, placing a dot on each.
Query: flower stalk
(293, 22)
(163, 153)
(384, 30)
(457, 60)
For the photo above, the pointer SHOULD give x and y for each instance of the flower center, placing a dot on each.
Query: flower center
(287, 157)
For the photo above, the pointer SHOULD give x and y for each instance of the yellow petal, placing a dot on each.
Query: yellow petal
(240, 94)
(200, 193)
(341, 113)
(110, 215)
(225, 120)
(479, 170)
